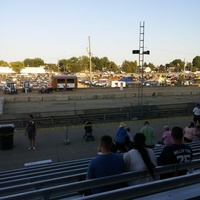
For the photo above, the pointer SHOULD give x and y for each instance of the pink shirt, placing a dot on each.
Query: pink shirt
(189, 132)
(167, 139)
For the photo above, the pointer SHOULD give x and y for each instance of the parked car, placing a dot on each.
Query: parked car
(45, 89)
(9, 88)
(151, 83)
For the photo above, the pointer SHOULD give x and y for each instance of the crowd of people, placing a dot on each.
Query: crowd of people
(138, 154)
(127, 152)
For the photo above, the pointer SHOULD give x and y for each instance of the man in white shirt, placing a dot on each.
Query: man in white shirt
(196, 112)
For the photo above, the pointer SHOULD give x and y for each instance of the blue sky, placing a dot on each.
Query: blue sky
(59, 29)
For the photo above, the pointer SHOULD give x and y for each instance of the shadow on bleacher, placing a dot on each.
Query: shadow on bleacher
(61, 180)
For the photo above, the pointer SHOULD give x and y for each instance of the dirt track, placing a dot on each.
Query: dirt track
(163, 95)
(83, 91)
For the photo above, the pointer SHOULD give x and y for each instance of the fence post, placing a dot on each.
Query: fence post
(67, 141)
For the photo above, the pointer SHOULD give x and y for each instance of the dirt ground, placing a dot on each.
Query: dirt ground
(136, 89)
(151, 96)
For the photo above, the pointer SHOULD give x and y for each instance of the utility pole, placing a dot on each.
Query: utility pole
(90, 55)
(184, 72)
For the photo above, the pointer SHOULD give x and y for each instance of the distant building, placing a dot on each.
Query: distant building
(6, 70)
(26, 70)
(33, 70)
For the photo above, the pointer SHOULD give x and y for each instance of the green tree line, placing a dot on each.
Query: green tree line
(82, 64)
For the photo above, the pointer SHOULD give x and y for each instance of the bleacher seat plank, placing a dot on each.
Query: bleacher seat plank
(40, 162)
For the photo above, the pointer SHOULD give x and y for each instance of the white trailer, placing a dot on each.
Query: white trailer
(118, 84)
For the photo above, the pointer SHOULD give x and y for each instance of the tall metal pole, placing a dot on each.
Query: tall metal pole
(141, 47)
(141, 53)
(90, 61)
(141, 64)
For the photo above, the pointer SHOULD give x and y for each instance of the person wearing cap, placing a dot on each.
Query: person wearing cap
(120, 138)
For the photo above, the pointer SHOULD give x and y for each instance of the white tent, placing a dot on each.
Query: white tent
(32, 70)
(6, 70)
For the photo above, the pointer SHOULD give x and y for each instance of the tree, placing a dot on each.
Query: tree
(189, 67)
(113, 67)
(29, 62)
(3, 63)
(74, 64)
(162, 68)
(152, 66)
(129, 66)
(51, 67)
(105, 63)
(62, 64)
(97, 63)
(36, 62)
(17, 66)
(178, 64)
(196, 62)
(85, 63)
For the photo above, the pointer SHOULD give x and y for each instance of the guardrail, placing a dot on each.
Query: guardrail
(114, 114)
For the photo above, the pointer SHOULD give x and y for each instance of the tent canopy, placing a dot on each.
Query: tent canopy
(127, 79)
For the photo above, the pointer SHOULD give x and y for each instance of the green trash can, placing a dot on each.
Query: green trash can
(6, 136)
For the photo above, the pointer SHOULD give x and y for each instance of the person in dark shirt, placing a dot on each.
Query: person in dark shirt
(31, 131)
(178, 152)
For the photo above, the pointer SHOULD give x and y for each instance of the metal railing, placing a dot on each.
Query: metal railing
(116, 114)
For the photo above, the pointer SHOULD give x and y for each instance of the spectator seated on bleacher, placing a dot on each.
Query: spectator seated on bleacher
(178, 152)
(120, 143)
(140, 158)
(105, 164)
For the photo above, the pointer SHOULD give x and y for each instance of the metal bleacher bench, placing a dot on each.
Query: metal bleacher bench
(61, 179)
(65, 190)
(48, 170)
(41, 162)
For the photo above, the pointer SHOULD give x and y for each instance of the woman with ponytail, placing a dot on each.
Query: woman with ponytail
(140, 158)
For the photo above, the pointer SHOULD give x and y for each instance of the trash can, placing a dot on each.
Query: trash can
(6, 136)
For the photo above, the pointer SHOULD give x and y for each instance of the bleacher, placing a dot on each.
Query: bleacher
(61, 180)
